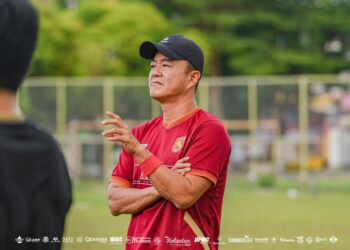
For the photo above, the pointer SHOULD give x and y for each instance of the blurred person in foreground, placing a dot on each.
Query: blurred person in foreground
(35, 189)
(172, 171)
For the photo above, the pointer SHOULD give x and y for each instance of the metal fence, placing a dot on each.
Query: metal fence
(276, 123)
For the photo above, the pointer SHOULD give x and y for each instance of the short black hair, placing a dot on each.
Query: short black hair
(19, 23)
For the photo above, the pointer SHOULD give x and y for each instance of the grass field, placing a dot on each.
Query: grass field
(322, 211)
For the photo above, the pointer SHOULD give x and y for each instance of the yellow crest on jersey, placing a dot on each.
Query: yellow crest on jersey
(179, 142)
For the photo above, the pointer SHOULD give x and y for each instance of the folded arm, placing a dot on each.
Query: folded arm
(126, 200)
(183, 191)
(122, 200)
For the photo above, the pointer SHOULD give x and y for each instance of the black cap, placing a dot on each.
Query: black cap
(175, 47)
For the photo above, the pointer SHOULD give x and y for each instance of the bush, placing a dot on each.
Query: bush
(266, 181)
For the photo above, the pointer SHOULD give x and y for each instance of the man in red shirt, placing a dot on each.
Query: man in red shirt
(171, 210)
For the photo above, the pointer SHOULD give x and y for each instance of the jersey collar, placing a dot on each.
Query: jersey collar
(180, 119)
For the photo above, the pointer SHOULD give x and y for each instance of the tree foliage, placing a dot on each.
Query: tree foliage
(98, 38)
(239, 37)
(270, 36)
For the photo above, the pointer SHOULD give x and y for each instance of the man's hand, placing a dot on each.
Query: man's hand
(181, 167)
(121, 134)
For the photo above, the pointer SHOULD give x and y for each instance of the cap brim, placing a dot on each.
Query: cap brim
(149, 49)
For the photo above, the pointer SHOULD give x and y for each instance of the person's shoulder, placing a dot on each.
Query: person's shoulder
(41, 135)
(148, 125)
(207, 119)
(38, 131)
(211, 126)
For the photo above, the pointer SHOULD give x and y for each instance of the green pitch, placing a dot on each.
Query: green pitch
(249, 214)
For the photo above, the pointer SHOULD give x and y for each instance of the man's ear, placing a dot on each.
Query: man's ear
(194, 75)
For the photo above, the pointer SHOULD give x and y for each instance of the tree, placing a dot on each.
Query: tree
(112, 34)
(267, 37)
(98, 38)
(57, 42)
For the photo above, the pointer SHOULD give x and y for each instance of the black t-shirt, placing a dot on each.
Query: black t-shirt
(35, 188)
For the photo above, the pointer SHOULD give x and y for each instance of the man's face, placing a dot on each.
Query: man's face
(168, 79)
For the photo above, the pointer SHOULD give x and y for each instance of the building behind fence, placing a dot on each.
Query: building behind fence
(277, 124)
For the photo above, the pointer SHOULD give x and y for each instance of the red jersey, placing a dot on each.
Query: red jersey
(203, 138)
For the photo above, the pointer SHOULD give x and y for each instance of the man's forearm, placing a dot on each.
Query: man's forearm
(130, 200)
(172, 186)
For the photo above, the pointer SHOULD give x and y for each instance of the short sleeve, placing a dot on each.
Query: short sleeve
(122, 173)
(209, 150)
